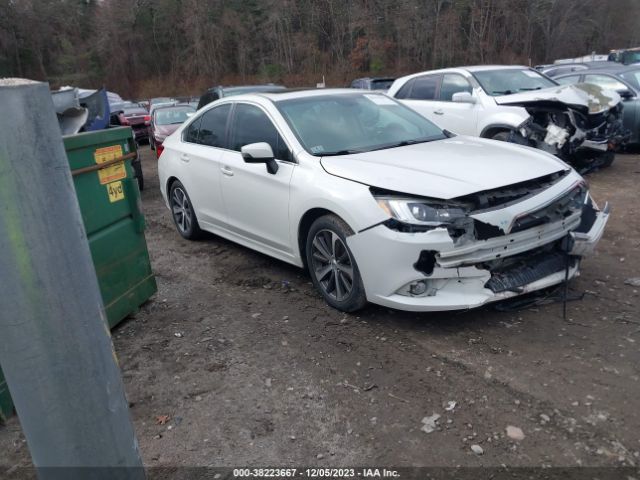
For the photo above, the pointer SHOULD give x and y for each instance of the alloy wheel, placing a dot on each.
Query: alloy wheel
(332, 265)
(181, 209)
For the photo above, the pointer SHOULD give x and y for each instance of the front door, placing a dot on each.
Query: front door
(256, 201)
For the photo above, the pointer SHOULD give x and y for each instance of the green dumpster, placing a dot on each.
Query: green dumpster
(6, 405)
(109, 200)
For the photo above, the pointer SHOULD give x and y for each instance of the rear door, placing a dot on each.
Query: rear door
(256, 201)
(204, 142)
(461, 118)
(420, 93)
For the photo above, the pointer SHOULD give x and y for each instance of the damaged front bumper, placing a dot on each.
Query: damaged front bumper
(426, 271)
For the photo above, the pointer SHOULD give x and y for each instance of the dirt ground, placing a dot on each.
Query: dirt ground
(253, 368)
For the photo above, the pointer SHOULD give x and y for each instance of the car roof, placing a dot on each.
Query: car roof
(482, 68)
(177, 105)
(294, 93)
(611, 69)
(248, 88)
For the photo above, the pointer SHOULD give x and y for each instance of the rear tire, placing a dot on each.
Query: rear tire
(182, 212)
(137, 170)
(332, 266)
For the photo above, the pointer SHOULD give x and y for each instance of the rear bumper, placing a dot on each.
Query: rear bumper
(389, 263)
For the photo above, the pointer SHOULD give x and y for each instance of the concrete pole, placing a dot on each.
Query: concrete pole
(55, 346)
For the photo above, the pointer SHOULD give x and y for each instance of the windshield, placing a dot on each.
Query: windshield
(381, 84)
(171, 116)
(354, 123)
(507, 81)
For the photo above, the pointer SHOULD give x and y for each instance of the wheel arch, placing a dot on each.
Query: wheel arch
(304, 226)
(170, 181)
(490, 130)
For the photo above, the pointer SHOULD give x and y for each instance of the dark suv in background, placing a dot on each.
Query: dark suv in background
(373, 83)
(215, 93)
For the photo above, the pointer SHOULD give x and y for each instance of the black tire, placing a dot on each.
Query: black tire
(502, 136)
(331, 263)
(606, 160)
(137, 172)
(182, 212)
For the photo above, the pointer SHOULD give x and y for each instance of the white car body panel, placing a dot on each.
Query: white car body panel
(244, 203)
(445, 169)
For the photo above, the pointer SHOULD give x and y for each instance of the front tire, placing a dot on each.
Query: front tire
(502, 136)
(182, 212)
(332, 266)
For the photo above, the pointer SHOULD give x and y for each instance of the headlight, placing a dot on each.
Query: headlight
(421, 212)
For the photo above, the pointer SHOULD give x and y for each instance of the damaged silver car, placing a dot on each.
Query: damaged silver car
(581, 123)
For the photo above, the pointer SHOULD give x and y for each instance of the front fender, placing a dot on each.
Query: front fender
(507, 118)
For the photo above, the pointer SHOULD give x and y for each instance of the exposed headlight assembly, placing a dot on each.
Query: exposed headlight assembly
(422, 212)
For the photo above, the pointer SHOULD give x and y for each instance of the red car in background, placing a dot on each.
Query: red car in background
(165, 121)
(138, 119)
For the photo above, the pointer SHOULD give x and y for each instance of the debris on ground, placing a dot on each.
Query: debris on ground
(515, 433)
(429, 424)
(450, 406)
(162, 419)
(634, 282)
(477, 449)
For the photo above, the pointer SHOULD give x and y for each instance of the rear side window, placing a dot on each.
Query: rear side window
(425, 87)
(191, 132)
(213, 126)
(405, 90)
(251, 125)
(453, 83)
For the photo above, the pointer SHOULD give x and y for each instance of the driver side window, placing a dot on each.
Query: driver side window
(453, 83)
(251, 125)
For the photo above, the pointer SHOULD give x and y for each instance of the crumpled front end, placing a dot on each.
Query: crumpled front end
(518, 239)
(579, 134)
(571, 134)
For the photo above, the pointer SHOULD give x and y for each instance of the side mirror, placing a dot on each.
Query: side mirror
(625, 93)
(463, 97)
(260, 152)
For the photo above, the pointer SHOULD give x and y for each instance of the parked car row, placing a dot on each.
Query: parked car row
(382, 204)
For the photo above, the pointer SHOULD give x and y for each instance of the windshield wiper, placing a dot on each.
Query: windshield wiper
(404, 143)
(339, 152)
(501, 92)
(529, 89)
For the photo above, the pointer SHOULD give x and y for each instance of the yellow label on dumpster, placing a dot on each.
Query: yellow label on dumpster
(112, 172)
(115, 191)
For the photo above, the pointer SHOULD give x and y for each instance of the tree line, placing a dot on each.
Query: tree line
(151, 47)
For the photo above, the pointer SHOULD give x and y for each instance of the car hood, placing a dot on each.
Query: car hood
(585, 96)
(445, 169)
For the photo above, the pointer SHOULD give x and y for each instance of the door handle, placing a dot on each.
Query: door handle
(184, 157)
(227, 171)
(438, 112)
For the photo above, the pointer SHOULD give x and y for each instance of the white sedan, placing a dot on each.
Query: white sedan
(377, 202)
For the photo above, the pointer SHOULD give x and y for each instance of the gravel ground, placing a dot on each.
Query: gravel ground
(250, 367)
